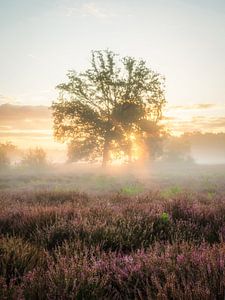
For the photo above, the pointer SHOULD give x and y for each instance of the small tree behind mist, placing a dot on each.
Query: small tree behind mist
(4, 160)
(7, 149)
(34, 159)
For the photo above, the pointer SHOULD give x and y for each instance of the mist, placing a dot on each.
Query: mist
(191, 162)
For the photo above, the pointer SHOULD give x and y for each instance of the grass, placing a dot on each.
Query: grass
(132, 189)
(171, 191)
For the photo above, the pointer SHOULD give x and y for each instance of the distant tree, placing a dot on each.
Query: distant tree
(177, 150)
(108, 108)
(207, 147)
(34, 158)
(7, 149)
(155, 143)
(4, 160)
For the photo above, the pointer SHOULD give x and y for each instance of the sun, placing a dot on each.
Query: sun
(136, 152)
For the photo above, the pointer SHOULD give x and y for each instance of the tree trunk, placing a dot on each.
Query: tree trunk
(105, 157)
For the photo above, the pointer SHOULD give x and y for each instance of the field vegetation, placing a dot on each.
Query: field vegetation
(121, 238)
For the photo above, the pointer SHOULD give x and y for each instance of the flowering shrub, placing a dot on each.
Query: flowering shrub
(111, 247)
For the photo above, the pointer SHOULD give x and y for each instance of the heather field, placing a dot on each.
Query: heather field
(123, 237)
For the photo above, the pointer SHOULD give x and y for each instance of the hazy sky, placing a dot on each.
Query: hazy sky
(183, 40)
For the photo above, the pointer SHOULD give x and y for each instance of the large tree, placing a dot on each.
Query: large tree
(109, 107)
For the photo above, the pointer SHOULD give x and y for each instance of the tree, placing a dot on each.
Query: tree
(177, 150)
(4, 160)
(7, 149)
(34, 159)
(106, 109)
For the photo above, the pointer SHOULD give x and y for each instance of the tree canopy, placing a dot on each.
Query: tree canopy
(105, 111)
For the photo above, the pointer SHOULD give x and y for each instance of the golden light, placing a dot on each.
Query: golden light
(135, 154)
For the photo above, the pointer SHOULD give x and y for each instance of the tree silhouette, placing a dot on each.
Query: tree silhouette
(101, 110)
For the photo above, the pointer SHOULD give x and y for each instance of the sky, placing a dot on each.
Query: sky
(42, 39)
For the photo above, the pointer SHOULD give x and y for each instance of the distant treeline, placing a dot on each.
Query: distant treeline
(206, 147)
(195, 147)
